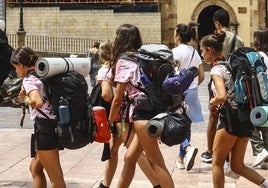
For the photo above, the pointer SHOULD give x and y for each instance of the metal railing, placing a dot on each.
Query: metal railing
(57, 44)
(54, 44)
(16, 2)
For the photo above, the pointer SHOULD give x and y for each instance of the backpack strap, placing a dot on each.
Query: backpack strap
(67, 63)
(43, 113)
(232, 45)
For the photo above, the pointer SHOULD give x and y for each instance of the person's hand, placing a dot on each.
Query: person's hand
(214, 109)
(22, 93)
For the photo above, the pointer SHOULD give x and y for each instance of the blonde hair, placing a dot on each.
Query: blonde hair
(106, 50)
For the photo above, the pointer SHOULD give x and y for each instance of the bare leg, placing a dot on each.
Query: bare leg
(111, 164)
(130, 159)
(237, 162)
(211, 130)
(220, 152)
(37, 171)
(51, 162)
(154, 155)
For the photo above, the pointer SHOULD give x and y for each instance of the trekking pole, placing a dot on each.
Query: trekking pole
(23, 108)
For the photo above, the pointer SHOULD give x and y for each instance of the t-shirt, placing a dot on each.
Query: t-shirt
(31, 83)
(104, 73)
(227, 44)
(184, 53)
(128, 72)
(222, 71)
(265, 59)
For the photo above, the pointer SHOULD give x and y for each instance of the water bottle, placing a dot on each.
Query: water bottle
(64, 111)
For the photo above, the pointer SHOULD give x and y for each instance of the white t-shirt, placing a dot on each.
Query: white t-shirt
(265, 59)
(183, 53)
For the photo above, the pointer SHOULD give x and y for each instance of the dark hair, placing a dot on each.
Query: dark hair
(96, 45)
(222, 16)
(261, 39)
(186, 32)
(214, 41)
(128, 39)
(24, 55)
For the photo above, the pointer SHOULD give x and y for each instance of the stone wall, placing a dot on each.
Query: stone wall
(96, 24)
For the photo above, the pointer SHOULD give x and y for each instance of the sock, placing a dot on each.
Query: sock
(102, 186)
(157, 186)
(264, 183)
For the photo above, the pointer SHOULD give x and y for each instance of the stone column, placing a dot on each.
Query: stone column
(169, 21)
(262, 13)
(21, 38)
(21, 33)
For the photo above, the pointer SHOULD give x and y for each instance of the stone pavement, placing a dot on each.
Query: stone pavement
(84, 169)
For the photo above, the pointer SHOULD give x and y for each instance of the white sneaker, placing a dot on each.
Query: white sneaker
(260, 158)
(179, 165)
(264, 165)
(228, 172)
(190, 157)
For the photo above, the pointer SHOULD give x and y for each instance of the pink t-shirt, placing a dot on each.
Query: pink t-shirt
(104, 73)
(31, 83)
(128, 72)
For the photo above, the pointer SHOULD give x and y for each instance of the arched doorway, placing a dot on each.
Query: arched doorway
(205, 20)
(203, 17)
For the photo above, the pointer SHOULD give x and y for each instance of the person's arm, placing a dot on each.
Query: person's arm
(107, 92)
(221, 94)
(117, 101)
(34, 99)
(201, 74)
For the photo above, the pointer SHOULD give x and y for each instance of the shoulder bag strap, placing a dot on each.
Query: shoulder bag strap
(191, 58)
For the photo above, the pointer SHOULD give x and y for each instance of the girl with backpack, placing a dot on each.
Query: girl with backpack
(125, 75)
(44, 145)
(123, 131)
(233, 134)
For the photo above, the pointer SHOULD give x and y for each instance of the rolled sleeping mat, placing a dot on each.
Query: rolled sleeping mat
(155, 126)
(259, 116)
(47, 67)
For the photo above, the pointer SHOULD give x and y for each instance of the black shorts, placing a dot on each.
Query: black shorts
(45, 136)
(234, 124)
(143, 115)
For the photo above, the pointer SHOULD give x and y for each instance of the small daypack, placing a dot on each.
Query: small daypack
(155, 64)
(72, 88)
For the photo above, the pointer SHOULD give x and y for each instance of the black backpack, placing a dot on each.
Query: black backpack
(155, 64)
(5, 54)
(250, 83)
(72, 87)
(249, 76)
(97, 100)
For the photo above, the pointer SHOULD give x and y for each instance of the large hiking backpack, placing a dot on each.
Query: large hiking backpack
(249, 76)
(250, 81)
(155, 64)
(72, 88)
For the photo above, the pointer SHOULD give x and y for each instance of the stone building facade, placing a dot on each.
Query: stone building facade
(246, 16)
(76, 22)
(156, 26)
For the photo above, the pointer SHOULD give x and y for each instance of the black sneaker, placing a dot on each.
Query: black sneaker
(206, 157)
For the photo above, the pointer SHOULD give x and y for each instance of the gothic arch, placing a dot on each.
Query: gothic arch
(206, 3)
